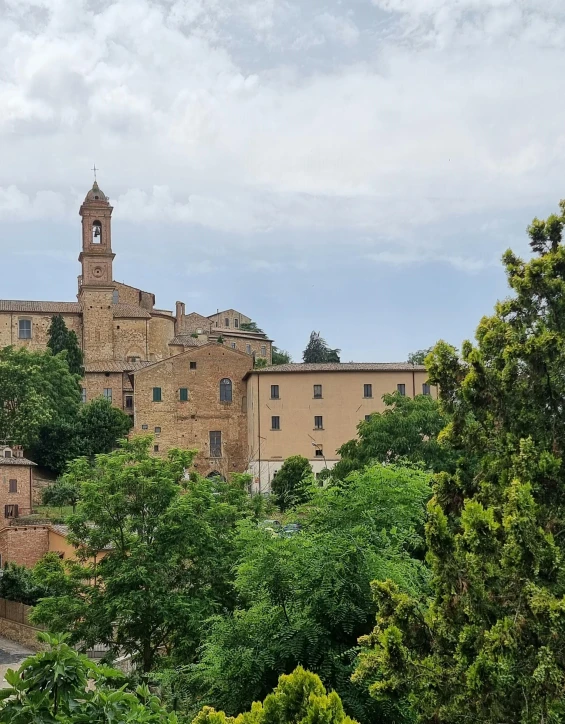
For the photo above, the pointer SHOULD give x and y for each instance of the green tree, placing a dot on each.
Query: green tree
(259, 363)
(61, 340)
(280, 357)
(306, 599)
(317, 350)
(419, 357)
(36, 390)
(61, 685)
(251, 327)
(299, 698)
(407, 430)
(488, 645)
(291, 484)
(169, 550)
(62, 493)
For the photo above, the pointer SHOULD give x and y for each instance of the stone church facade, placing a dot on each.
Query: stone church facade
(118, 326)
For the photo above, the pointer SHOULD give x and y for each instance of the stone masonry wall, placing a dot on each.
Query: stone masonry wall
(98, 343)
(97, 382)
(22, 496)
(130, 338)
(188, 424)
(24, 545)
(249, 346)
(161, 332)
(40, 323)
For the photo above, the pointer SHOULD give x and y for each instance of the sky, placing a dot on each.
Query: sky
(354, 167)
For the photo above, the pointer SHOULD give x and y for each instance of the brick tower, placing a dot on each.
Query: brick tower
(96, 285)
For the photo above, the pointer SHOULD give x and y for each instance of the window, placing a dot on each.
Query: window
(426, 389)
(225, 390)
(319, 452)
(263, 350)
(129, 402)
(83, 394)
(216, 444)
(155, 448)
(248, 348)
(24, 329)
(401, 389)
(199, 330)
(145, 427)
(367, 390)
(183, 394)
(236, 323)
(115, 296)
(156, 394)
(157, 430)
(274, 392)
(96, 232)
(319, 422)
(193, 365)
(233, 345)
(367, 418)
(317, 392)
(108, 394)
(10, 511)
(226, 322)
(275, 422)
(7, 453)
(13, 486)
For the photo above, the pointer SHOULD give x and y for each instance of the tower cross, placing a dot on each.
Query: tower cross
(95, 170)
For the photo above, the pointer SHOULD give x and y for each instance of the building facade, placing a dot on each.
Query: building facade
(16, 483)
(313, 409)
(118, 326)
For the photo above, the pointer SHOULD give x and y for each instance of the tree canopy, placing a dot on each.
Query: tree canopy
(419, 357)
(407, 430)
(60, 339)
(317, 350)
(487, 646)
(280, 357)
(291, 483)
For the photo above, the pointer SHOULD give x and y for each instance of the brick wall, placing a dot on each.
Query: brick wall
(9, 329)
(161, 332)
(130, 338)
(97, 382)
(98, 343)
(23, 476)
(24, 545)
(188, 424)
(249, 346)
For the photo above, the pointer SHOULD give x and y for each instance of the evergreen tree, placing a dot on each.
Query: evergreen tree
(317, 350)
(61, 340)
(280, 357)
(290, 485)
(489, 645)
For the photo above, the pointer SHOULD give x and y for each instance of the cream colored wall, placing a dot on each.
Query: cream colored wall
(342, 407)
(58, 543)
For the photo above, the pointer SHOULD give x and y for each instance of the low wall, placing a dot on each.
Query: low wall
(15, 625)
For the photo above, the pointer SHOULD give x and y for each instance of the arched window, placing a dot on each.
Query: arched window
(96, 232)
(225, 390)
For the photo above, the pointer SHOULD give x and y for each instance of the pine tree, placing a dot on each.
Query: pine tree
(61, 340)
(317, 350)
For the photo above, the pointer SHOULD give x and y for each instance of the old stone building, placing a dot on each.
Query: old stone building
(16, 483)
(118, 326)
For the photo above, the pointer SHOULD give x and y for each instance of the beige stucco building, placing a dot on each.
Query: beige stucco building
(313, 409)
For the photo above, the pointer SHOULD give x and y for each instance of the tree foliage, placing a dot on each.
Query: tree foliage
(280, 357)
(419, 357)
(317, 350)
(299, 698)
(36, 391)
(168, 552)
(61, 340)
(488, 645)
(61, 685)
(305, 599)
(407, 430)
(292, 482)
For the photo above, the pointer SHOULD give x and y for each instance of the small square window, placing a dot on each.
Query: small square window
(13, 486)
(426, 389)
(233, 345)
(157, 394)
(24, 329)
(155, 448)
(401, 389)
(319, 422)
(367, 390)
(274, 392)
(319, 452)
(108, 394)
(183, 394)
(145, 427)
(157, 430)
(7, 453)
(193, 365)
(317, 392)
(83, 394)
(10, 511)
(275, 422)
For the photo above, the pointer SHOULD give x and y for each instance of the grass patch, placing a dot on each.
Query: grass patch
(53, 512)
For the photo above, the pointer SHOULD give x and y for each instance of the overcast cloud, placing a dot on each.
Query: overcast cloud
(351, 166)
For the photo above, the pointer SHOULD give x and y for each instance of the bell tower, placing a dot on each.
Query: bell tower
(96, 283)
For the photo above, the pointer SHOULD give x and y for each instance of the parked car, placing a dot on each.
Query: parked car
(291, 529)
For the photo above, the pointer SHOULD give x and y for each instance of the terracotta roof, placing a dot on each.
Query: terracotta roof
(187, 340)
(17, 461)
(130, 310)
(10, 305)
(115, 366)
(343, 367)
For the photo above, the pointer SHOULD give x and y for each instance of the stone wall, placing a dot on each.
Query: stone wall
(135, 296)
(23, 476)
(261, 348)
(161, 332)
(9, 328)
(187, 424)
(98, 343)
(130, 338)
(24, 545)
(97, 382)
